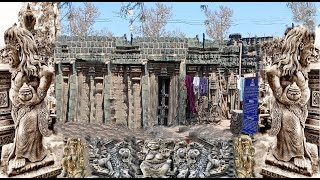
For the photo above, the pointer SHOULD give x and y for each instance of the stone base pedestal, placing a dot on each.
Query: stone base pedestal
(269, 171)
(6, 135)
(45, 172)
(236, 122)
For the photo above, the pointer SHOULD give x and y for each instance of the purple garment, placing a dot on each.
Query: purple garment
(203, 86)
(188, 82)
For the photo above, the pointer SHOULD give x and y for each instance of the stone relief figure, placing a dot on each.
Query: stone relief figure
(214, 162)
(110, 159)
(180, 159)
(73, 162)
(197, 158)
(218, 159)
(31, 78)
(288, 79)
(121, 160)
(244, 160)
(156, 159)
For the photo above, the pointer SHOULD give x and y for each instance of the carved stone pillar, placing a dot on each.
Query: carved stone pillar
(58, 90)
(153, 100)
(73, 93)
(182, 93)
(107, 93)
(6, 122)
(92, 89)
(136, 88)
(145, 96)
(312, 130)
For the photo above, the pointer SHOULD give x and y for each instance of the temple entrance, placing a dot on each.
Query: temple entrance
(163, 99)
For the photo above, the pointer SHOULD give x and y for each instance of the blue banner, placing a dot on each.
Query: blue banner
(250, 106)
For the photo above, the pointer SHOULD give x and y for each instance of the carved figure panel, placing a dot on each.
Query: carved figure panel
(4, 99)
(244, 156)
(74, 161)
(315, 98)
(159, 158)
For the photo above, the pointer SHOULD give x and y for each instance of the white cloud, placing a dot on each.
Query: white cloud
(9, 16)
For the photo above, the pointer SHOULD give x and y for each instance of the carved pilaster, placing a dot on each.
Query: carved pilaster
(73, 93)
(58, 90)
(145, 97)
(183, 93)
(91, 96)
(107, 93)
(6, 122)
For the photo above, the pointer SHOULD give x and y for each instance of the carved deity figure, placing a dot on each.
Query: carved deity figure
(124, 161)
(214, 162)
(156, 160)
(180, 159)
(244, 156)
(31, 79)
(288, 79)
(196, 160)
(73, 162)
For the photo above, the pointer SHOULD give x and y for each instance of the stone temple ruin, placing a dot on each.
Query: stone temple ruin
(141, 83)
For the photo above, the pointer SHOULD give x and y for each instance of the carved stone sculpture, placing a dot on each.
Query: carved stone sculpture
(288, 79)
(180, 159)
(244, 156)
(31, 79)
(110, 159)
(197, 160)
(139, 158)
(156, 159)
(73, 162)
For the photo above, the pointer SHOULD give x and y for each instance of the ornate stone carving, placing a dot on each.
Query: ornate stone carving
(4, 99)
(155, 157)
(288, 79)
(74, 161)
(31, 78)
(159, 158)
(315, 98)
(244, 156)
(180, 160)
(111, 159)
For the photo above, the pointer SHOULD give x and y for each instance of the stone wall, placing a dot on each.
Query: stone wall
(101, 79)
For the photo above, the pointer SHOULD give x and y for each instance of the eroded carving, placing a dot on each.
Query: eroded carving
(31, 78)
(244, 156)
(156, 160)
(73, 161)
(159, 158)
(288, 79)
(4, 100)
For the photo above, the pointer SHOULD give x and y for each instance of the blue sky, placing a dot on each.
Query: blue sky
(249, 18)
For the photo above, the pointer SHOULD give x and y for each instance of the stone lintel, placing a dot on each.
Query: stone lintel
(269, 171)
(45, 172)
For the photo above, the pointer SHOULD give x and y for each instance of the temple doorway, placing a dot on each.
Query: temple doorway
(163, 100)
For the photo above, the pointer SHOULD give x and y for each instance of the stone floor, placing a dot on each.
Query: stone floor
(112, 131)
(261, 144)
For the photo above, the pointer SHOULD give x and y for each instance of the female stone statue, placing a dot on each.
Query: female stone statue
(31, 79)
(156, 161)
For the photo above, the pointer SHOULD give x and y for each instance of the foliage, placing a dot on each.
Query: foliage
(304, 12)
(218, 22)
(81, 19)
